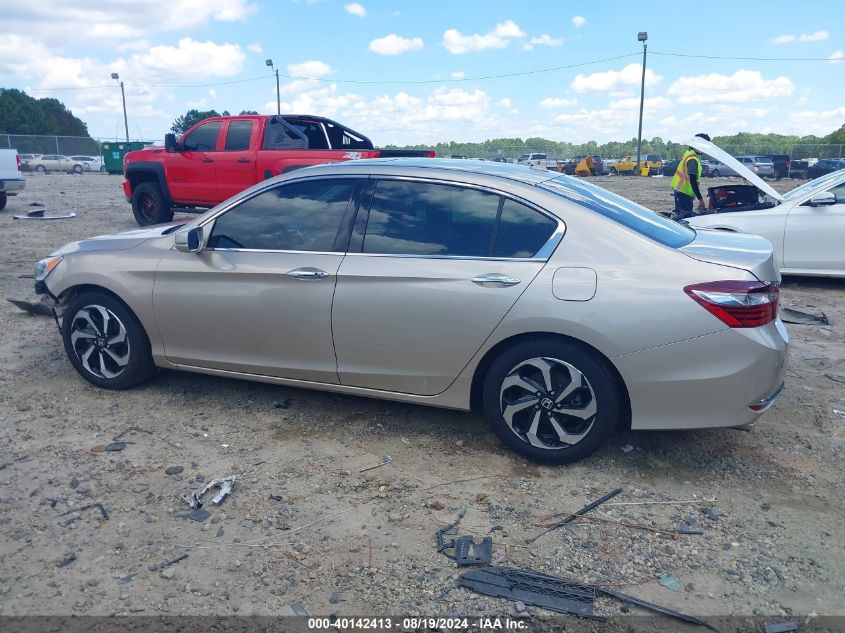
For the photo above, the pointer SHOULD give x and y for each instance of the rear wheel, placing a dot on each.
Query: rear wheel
(41, 169)
(105, 342)
(77, 169)
(149, 205)
(551, 401)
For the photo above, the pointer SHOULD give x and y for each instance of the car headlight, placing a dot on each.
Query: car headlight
(45, 266)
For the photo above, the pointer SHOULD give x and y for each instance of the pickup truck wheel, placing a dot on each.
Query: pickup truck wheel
(149, 205)
(3, 200)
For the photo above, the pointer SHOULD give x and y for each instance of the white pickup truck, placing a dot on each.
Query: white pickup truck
(11, 178)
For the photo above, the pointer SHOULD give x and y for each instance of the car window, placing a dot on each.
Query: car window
(237, 136)
(416, 218)
(298, 216)
(522, 231)
(621, 210)
(811, 184)
(202, 139)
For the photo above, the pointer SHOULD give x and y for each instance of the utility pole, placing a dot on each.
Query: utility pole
(116, 77)
(269, 62)
(642, 36)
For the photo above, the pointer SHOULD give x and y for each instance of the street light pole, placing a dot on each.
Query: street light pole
(642, 36)
(269, 62)
(116, 77)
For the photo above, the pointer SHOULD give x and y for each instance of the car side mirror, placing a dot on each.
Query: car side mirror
(823, 199)
(189, 240)
(170, 144)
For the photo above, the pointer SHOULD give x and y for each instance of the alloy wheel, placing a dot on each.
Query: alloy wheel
(99, 341)
(548, 403)
(147, 206)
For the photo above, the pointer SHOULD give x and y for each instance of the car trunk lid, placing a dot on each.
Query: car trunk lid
(706, 147)
(738, 250)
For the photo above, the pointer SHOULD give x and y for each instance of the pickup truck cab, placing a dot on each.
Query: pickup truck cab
(11, 178)
(533, 160)
(221, 156)
(628, 165)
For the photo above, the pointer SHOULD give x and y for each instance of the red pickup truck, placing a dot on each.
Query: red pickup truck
(221, 156)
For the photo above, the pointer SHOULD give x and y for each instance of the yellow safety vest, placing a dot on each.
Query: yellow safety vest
(681, 181)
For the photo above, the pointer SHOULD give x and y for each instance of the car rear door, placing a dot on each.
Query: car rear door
(432, 268)
(257, 299)
(814, 235)
(191, 171)
(235, 164)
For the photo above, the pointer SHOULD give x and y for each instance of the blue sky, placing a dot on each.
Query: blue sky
(350, 60)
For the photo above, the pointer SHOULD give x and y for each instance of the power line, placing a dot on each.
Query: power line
(753, 59)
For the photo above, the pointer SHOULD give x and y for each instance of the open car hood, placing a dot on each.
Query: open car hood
(706, 147)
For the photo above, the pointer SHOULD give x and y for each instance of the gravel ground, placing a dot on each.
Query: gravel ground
(304, 524)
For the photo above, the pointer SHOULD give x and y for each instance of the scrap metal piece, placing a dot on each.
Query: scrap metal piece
(103, 512)
(780, 627)
(576, 514)
(522, 585)
(225, 484)
(29, 216)
(385, 459)
(449, 530)
(799, 317)
(624, 597)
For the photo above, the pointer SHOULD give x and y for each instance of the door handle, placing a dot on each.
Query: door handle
(495, 280)
(207, 160)
(243, 160)
(307, 273)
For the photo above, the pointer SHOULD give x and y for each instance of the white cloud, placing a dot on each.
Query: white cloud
(354, 8)
(458, 43)
(191, 59)
(633, 103)
(742, 86)
(614, 80)
(788, 38)
(819, 122)
(547, 40)
(578, 21)
(310, 69)
(255, 48)
(458, 74)
(395, 45)
(505, 103)
(557, 102)
(836, 57)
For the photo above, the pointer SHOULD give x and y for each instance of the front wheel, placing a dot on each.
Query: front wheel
(77, 169)
(105, 342)
(552, 401)
(149, 205)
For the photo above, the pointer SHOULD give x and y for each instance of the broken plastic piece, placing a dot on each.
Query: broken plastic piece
(624, 597)
(39, 215)
(799, 317)
(225, 485)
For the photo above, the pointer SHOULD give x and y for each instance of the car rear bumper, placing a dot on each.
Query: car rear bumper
(13, 186)
(127, 189)
(725, 379)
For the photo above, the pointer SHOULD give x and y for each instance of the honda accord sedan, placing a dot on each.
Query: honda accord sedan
(560, 310)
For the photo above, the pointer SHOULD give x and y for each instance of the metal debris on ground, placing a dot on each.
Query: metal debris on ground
(780, 627)
(464, 549)
(799, 317)
(448, 530)
(32, 308)
(529, 587)
(624, 597)
(576, 514)
(225, 484)
(386, 459)
(168, 563)
(103, 513)
(39, 215)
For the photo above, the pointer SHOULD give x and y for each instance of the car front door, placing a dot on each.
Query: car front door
(191, 173)
(432, 269)
(814, 235)
(257, 299)
(235, 165)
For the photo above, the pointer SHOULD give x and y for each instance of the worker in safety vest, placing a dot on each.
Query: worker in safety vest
(686, 181)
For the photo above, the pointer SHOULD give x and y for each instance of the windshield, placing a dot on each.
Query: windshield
(627, 213)
(818, 183)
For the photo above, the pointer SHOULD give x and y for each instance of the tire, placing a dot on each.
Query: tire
(77, 169)
(41, 169)
(716, 174)
(3, 200)
(105, 342)
(149, 205)
(596, 404)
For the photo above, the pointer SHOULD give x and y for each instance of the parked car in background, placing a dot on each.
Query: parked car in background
(781, 163)
(669, 167)
(825, 166)
(533, 160)
(56, 162)
(804, 225)
(25, 160)
(799, 168)
(760, 165)
(609, 166)
(11, 179)
(91, 163)
(720, 170)
(707, 166)
(440, 283)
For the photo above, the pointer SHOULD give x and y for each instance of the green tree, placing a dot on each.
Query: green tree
(186, 121)
(21, 114)
(246, 112)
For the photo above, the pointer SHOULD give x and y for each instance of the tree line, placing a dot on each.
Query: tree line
(21, 114)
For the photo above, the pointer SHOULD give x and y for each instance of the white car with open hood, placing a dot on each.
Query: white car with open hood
(806, 226)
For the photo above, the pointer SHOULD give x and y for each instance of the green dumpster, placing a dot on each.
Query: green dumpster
(114, 151)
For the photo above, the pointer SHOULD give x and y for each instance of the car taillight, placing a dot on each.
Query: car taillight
(432, 154)
(737, 303)
(18, 156)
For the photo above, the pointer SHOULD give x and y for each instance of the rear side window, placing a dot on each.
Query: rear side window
(522, 231)
(202, 139)
(237, 136)
(621, 210)
(298, 216)
(415, 218)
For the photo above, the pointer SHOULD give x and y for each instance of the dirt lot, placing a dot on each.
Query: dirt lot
(305, 525)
